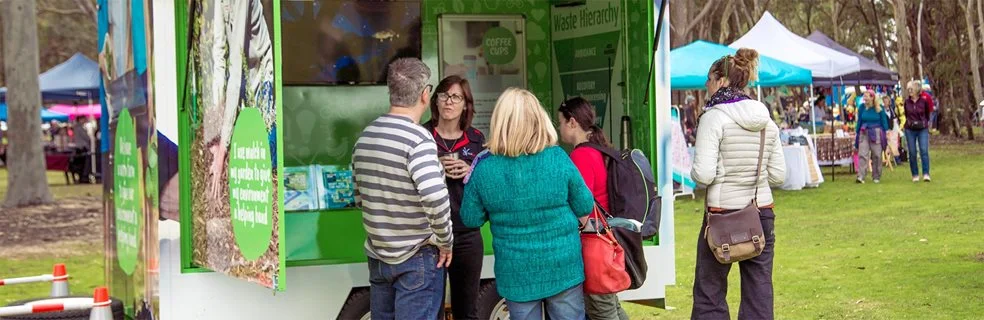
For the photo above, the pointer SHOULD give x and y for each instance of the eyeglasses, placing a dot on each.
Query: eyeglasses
(455, 98)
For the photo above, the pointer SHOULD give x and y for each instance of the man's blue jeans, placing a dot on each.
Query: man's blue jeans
(413, 289)
(568, 304)
(920, 139)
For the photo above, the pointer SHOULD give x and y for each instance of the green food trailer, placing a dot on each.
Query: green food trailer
(260, 103)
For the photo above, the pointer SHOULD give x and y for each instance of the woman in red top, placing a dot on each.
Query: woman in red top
(577, 126)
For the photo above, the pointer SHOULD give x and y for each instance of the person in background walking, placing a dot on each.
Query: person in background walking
(83, 145)
(452, 110)
(405, 206)
(532, 196)
(577, 120)
(869, 135)
(727, 151)
(917, 119)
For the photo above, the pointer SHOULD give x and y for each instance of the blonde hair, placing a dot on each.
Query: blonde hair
(915, 84)
(519, 125)
(875, 100)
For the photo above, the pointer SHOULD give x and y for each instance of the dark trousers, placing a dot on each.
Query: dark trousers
(465, 274)
(711, 280)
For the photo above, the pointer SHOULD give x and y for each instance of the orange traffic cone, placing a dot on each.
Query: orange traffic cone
(101, 308)
(59, 285)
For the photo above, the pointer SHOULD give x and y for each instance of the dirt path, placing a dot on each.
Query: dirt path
(58, 228)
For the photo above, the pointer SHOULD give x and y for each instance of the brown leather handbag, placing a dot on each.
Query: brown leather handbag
(738, 235)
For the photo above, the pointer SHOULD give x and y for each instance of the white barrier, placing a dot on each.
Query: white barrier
(99, 306)
(58, 279)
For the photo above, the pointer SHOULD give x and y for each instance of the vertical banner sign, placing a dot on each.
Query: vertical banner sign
(586, 54)
(127, 192)
(234, 198)
(129, 154)
(485, 50)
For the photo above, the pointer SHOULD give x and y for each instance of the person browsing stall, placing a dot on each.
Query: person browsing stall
(452, 110)
(405, 208)
(532, 196)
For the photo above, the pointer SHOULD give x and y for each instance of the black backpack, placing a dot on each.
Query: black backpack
(632, 195)
(631, 187)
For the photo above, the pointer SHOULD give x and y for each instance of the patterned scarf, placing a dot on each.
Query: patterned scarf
(726, 95)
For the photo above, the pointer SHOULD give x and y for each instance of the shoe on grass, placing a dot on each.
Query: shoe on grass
(926, 178)
(915, 179)
(876, 181)
(859, 181)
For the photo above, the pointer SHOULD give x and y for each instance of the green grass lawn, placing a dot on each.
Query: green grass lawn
(56, 181)
(84, 263)
(85, 269)
(895, 250)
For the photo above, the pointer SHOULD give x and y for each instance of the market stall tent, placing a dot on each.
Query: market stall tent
(871, 72)
(89, 110)
(46, 115)
(770, 38)
(75, 79)
(691, 62)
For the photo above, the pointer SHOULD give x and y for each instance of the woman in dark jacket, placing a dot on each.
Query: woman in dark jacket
(917, 113)
(452, 110)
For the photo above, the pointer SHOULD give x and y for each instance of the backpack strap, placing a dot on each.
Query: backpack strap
(610, 152)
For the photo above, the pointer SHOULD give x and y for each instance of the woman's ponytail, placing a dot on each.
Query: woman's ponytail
(583, 113)
(597, 136)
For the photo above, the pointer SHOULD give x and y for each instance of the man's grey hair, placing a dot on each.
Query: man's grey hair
(406, 79)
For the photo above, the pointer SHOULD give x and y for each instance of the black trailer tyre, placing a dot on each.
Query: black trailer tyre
(490, 305)
(115, 304)
(356, 307)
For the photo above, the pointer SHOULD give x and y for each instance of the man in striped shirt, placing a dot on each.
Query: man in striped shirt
(405, 206)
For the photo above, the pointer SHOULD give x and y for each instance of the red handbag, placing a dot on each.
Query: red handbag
(604, 259)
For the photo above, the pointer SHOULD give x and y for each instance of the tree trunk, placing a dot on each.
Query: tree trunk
(725, 22)
(975, 63)
(833, 19)
(27, 181)
(679, 19)
(919, 18)
(903, 61)
(880, 48)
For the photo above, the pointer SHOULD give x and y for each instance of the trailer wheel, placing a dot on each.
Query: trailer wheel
(490, 305)
(115, 304)
(357, 306)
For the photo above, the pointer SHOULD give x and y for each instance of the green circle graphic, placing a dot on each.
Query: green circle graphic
(499, 45)
(250, 184)
(126, 191)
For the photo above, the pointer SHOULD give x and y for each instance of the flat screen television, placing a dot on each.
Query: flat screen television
(346, 42)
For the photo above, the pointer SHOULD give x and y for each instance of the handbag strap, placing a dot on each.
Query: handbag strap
(758, 166)
(758, 171)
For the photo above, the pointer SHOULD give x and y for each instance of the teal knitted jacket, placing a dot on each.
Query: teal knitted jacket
(532, 203)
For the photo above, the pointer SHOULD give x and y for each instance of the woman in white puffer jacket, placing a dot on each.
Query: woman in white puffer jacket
(728, 135)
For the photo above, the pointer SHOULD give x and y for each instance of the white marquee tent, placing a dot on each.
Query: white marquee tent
(770, 38)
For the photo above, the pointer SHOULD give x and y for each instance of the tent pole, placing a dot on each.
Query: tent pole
(813, 115)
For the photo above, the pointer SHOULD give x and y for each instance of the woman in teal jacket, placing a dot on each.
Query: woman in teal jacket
(532, 195)
(870, 136)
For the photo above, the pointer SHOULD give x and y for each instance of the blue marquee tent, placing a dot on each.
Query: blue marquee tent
(77, 78)
(689, 65)
(45, 114)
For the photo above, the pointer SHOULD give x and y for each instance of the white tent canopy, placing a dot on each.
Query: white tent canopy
(769, 37)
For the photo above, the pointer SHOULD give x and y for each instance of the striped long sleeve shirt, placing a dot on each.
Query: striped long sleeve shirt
(405, 201)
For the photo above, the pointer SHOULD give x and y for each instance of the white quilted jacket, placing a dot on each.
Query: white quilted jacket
(727, 151)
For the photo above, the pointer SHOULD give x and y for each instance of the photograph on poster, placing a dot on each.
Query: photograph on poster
(234, 162)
